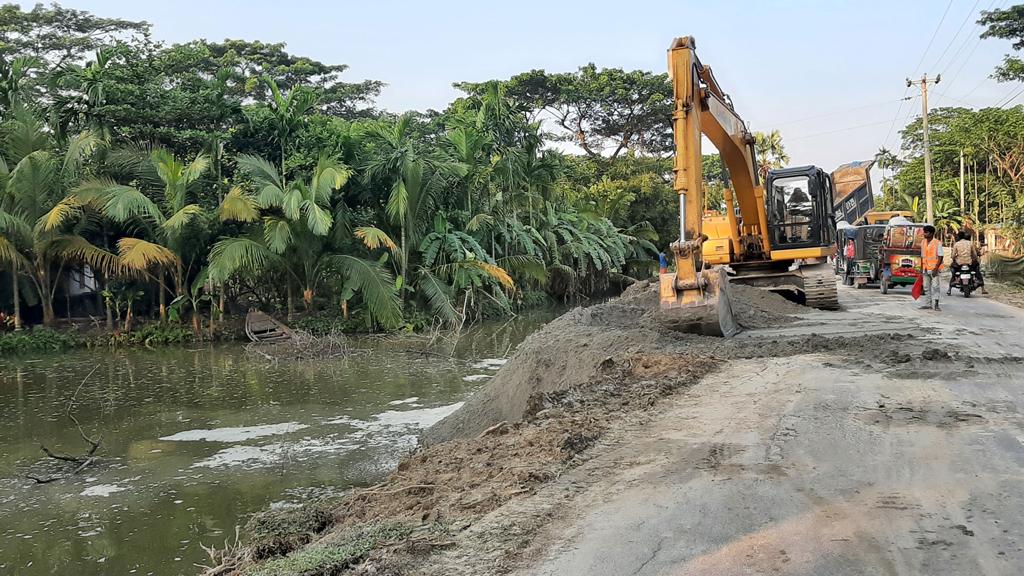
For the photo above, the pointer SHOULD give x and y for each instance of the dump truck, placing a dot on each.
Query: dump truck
(853, 195)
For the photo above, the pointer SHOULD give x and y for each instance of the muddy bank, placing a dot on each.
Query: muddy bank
(565, 389)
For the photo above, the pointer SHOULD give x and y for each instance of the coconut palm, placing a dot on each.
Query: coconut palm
(770, 152)
(886, 160)
(41, 220)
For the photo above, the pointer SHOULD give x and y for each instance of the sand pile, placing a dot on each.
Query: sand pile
(571, 349)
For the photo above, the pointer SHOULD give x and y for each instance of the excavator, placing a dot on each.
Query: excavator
(777, 235)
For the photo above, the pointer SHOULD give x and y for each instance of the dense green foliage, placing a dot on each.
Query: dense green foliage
(38, 340)
(193, 180)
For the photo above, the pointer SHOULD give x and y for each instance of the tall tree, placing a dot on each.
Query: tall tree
(59, 35)
(606, 112)
(289, 113)
(770, 152)
(1007, 24)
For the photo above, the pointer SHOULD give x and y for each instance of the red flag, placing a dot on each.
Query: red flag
(918, 288)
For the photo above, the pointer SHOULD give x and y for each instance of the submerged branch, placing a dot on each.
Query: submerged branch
(82, 461)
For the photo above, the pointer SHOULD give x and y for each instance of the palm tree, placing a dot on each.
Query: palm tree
(41, 221)
(296, 237)
(13, 76)
(770, 152)
(469, 147)
(164, 224)
(886, 160)
(289, 113)
(411, 178)
(80, 94)
(455, 263)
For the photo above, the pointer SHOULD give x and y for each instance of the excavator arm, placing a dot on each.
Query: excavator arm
(702, 108)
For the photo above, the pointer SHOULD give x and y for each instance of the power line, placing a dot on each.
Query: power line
(977, 42)
(976, 86)
(1003, 103)
(835, 112)
(788, 139)
(945, 95)
(934, 34)
(896, 117)
(955, 36)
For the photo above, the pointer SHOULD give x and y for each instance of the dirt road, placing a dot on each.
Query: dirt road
(814, 464)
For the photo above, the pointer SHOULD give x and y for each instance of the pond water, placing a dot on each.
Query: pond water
(196, 440)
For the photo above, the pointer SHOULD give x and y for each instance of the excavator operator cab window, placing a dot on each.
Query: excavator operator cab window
(794, 209)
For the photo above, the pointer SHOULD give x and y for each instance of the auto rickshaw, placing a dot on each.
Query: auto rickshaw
(860, 255)
(901, 255)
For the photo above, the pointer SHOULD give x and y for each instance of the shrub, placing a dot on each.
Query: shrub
(38, 340)
(330, 322)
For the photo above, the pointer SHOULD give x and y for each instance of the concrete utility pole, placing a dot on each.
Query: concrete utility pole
(923, 85)
(962, 183)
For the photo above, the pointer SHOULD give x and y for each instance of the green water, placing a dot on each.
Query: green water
(196, 440)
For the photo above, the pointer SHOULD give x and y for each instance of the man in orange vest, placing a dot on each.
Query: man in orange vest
(931, 265)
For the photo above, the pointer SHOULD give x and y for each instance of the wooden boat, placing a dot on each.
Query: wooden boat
(260, 327)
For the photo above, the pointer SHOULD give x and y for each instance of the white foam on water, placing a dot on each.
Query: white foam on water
(235, 434)
(489, 363)
(391, 428)
(419, 418)
(235, 455)
(477, 377)
(398, 419)
(275, 452)
(103, 490)
(406, 401)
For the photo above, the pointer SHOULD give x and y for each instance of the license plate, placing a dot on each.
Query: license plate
(965, 276)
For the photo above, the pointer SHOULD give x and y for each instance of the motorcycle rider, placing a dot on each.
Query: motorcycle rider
(965, 252)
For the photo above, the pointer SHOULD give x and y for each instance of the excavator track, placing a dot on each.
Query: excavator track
(820, 287)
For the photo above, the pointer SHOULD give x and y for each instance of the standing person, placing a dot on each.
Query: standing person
(931, 264)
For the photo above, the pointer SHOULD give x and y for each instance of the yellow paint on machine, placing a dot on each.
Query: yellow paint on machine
(802, 253)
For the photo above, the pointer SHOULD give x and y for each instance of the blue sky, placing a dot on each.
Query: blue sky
(842, 64)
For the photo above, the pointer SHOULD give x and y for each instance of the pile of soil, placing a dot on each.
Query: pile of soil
(569, 351)
(757, 308)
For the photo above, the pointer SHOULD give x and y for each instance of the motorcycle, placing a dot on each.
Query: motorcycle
(964, 280)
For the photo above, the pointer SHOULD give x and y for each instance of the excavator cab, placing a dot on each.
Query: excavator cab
(799, 206)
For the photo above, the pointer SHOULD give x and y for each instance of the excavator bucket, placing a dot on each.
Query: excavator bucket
(705, 308)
